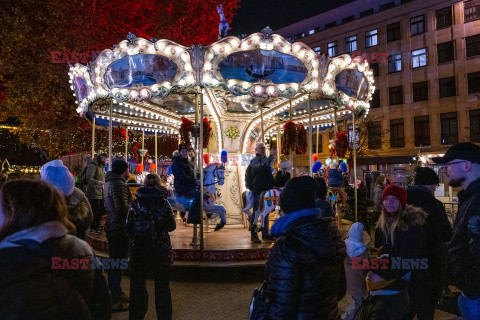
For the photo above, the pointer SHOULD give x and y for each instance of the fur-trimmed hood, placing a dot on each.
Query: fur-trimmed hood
(411, 216)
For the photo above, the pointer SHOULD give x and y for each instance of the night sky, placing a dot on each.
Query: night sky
(254, 15)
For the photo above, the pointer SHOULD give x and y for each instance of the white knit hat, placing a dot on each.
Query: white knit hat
(60, 178)
(53, 163)
(356, 232)
(333, 165)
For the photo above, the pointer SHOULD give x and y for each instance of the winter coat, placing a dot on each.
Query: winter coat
(303, 270)
(356, 286)
(258, 177)
(377, 198)
(409, 243)
(94, 174)
(32, 288)
(117, 201)
(153, 200)
(464, 249)
(79, 209)
(184, 179)
(437, 228)
(335, 178)
(281, 178)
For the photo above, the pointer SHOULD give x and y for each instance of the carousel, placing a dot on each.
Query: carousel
(222, 99)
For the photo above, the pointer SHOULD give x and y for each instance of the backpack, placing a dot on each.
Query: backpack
(144, 222)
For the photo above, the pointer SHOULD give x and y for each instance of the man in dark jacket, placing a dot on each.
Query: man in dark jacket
(95, 178)
(185, 183)
(438, 232)
(117, 203)
(462, 168)
(304, 265)
(258, 179)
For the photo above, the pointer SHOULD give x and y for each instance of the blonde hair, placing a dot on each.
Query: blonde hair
(388, 222)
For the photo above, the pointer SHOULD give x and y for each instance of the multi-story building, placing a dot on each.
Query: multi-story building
(425, 55)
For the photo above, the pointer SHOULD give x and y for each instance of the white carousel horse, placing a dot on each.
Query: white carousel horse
(268, 201)
(213, 174)
(223, 25)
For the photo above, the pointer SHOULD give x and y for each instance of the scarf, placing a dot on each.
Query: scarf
(284, 222)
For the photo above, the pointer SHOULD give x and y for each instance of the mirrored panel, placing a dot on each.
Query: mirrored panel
(353, 83)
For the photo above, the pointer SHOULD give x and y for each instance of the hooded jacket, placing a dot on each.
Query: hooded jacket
(258, 177)
(335, 178)
(409, 243)
(117, 201)
(182, 170)
(303, 270)
(464, 249)
(30, 286)
(94, 174)
(437, 228)
(153, 200)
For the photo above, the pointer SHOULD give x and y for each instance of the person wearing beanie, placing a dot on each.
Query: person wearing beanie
(437, 228)
(307, 242)
(284, 173)
(335, 180)
(95, 179)
(400, 235)
(356, 286)
(79, 209)
(117, 203)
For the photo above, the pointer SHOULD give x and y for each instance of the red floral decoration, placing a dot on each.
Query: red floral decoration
(341, 145)
(289, 131)
(185, 129)
(207, 129)
(302, 144)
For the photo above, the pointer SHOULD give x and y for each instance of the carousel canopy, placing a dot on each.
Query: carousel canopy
(151, 84)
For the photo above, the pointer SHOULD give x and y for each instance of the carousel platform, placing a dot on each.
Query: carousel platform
(229, 247)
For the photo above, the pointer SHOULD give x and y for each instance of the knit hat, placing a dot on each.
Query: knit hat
(298, 194)
(356, 232)
(53, 163)
(181, 147)
(333, 165)
(119, 166)
(60, 178)
(425, 176)
(396, 191)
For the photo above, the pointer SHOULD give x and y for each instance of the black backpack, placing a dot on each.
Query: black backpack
(143, 225)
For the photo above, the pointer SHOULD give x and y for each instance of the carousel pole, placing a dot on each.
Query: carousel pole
(279, 141)
(354, 163)
(143, 143)
(261, 121)
(93, 137)
(110, 137)
(200, 156)
(310, 135)
(195, 226)
(290, 151)
(156, 154)
(335, 128)
(126, 145)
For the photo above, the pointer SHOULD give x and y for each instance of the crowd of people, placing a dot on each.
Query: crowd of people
(310, 267)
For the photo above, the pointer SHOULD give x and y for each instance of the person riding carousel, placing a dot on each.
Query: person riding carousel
(284, 172)
(185, 183)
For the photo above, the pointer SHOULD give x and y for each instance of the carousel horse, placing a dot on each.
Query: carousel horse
(223, 25)
(213, 174)
(268, 201)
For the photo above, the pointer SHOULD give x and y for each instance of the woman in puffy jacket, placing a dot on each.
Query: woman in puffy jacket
(148, 222)
(45, 271)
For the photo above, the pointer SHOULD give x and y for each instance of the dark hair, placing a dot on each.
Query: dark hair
(380, 180)
(152, 179)
(102, 155)
(31, 202)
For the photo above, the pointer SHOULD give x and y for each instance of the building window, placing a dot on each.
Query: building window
(397, 137)
(420, 91)
(387, 6)
(367, 13)
(375, 69)
(473, 82)
(375, 102)
(473, 45)
(331, 25)
(371, 38)
(444, 17)
(472, 10)
(393, 32)
(332, 49)
(445, 52)
(419, 58)
(311, 31)
(351, 44)
(417, 25)
(317, 50)
(447, 87)
(394, 63)
(314, 142)
(395, 95)
(449, 128)
(422, 131)
(374, 131)
(348, 19)
(475, 125)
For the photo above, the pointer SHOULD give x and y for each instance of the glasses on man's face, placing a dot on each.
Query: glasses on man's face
(446, 165)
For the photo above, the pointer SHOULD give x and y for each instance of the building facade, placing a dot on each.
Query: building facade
(425, 55)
